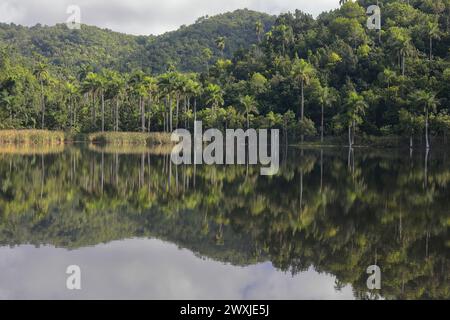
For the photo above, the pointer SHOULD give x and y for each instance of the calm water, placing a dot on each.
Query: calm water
(142, 228)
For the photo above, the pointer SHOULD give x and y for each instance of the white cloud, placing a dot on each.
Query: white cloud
(150, 269)
(144, 17)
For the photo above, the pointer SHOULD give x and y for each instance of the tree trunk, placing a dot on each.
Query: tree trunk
(103, 111)
(427, 139)
(354, 132)
(170, 115)
(117, 115)
(403, 64)
(350, 135)
(302, 107)
(142, 114)
(42, 104)
(178, 113)
(431, 48)
(321, 125)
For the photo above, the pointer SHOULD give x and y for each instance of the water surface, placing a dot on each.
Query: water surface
(142, 228)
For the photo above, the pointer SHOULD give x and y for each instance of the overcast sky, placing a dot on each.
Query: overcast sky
(143, 17)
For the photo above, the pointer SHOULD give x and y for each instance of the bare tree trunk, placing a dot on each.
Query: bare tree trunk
(103, 111)
(321, 125)
(42, 104)
(141, 101)
(427, 129)
(350, 135)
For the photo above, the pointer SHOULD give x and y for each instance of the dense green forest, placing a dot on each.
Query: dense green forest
(338, 212)
(310, 77)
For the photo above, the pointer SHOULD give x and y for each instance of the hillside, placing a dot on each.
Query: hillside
(102, 48)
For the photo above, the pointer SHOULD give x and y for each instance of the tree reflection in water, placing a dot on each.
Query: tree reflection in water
(332, 209)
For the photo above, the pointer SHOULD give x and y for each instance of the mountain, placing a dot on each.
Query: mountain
(183, 48)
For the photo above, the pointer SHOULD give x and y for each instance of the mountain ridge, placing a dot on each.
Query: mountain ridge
(102, 47)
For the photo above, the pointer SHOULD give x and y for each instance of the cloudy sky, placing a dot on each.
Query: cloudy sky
(150, 269)
(144, 16)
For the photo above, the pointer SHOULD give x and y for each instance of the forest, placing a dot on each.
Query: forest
(317, 78)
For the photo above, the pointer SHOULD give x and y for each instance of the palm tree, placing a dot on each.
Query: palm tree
(115, 90)
(152, 92)
(250, 106)
(41, 73)
(429, 102)
(326, 99)
(400, 40)
(72, 93)
(196, 90)
(259, 28)
(355, 109)
(207, 55)
(91, 86)
(139, 88)
(214, 96)
(389, 76)
(433, 33)
(167, 84)
(220, 43)
(302, 72)
(102, 84)
(286, 36)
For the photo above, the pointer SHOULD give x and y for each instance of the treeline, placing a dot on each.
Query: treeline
(312, 77)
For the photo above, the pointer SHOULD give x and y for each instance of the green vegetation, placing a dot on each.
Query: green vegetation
(311, 78)
(130, 138)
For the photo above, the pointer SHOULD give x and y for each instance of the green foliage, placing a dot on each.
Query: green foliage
(330, 70)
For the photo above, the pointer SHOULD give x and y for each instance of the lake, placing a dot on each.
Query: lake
(140, 227)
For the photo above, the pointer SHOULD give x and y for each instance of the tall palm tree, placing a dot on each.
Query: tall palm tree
(207, 55)
(355, 109)
(326, 99)
(115, 90)
(91, 86)
(250, 106)
(139, 89)
(167, 85)
(302, 72)
(102, 84)
(41, 74)
(433, 33)
(429, 102)
(151, 85)
(71, 92)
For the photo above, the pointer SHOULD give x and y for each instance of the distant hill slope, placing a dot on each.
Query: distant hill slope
(104, 48)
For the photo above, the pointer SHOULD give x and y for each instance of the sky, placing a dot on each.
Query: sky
(144, 17)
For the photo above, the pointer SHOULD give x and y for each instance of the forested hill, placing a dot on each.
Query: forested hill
(102, 48)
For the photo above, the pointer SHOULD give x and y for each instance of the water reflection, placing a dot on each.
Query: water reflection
(326, 217)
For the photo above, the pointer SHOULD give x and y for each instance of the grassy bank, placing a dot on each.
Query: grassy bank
(31, 137)
(130, 138)
(396, 142)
